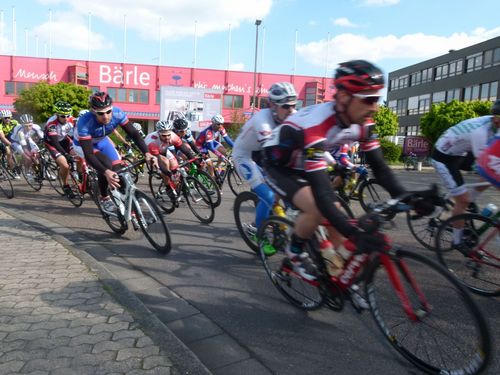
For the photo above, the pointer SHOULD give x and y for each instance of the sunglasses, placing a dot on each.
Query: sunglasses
(104, 113)
(288, 106)
(165, 134)
(64, 116)
(367, 99)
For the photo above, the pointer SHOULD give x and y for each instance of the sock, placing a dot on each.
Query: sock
(457, 235)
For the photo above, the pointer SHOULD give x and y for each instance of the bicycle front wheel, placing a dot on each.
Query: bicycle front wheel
(476, 261)
(211, 185)
(52, 175)
(75, 196)
(115, 220)
(151, 222)
(162, 193)
(370, 192)
(244, 217)
(275, 232)
(442, 331)
(199, 200)
(32, 176)
(236, 183)
(6, 183)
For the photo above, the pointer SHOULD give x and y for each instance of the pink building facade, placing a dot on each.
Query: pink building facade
(136, 88)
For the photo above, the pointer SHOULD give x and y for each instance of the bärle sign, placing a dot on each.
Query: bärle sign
(418, 145)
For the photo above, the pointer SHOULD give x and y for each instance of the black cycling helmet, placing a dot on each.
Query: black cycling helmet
(100, 100)
(180, 124)
(495, 108)
(358, 75)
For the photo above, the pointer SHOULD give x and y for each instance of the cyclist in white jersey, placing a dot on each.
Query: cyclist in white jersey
(450, 154)
(247, 147)
(25, 137)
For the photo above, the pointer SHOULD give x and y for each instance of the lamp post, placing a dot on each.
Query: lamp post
(257, 23)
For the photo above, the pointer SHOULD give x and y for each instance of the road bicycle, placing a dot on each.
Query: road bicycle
(244, 215)
(424, 228)
(411, 162)
(476, 261)
(130, 154)
(43, 167)
(13, 173)
(422, 311)
(135, 207)
(207, 181)
(6, 183)
(82, 179)
(227, 170)
(168, 192)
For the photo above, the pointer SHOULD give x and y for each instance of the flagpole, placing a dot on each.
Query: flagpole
(195, 41)
(229, 49)
(124, 38)
(1, 31)
(159, 36)
(50, 33)
(14, 37)
(327, 54)
(295, 52)
(88, 35)
(26, 42)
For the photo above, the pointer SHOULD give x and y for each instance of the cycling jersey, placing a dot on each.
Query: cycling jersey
(488, 163)
(23, 138)
(55, 128)
(341, 155)
(207, 140)
(469, 135)
(7, 128)
(158, 147)
(89, 128)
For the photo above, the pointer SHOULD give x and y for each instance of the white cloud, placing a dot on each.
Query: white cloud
(237, 66)
(343, 21)
(411, 46)
(6, 46)
(379, 3)
(177, 16)
(312, 23)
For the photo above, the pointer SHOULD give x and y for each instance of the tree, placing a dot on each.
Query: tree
(386, 122)
(444, 115)
(39, 99)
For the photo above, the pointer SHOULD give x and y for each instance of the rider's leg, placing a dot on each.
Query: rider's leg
(63, 168)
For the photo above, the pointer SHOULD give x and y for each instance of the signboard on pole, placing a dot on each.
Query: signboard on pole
(196, 105)
(418, 145)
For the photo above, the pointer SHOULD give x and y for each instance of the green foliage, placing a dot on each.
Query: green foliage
(39, 99)
(386, 122)
(238, 119)
(444, 115)
(391, 151)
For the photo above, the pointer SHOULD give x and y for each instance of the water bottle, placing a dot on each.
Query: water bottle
(334, 262)
(75, 175)
(183, 172)
(490, 210)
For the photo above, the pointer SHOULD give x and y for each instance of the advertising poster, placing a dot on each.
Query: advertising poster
(196, 105)
(418, 145)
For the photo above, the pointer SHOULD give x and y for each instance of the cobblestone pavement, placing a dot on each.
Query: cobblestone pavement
(56, 317)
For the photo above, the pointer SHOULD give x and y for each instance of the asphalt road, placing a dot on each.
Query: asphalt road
(211, 268)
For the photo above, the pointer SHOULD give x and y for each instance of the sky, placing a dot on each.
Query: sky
(295, 36)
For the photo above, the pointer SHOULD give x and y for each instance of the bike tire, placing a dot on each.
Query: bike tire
(212, 186)
(244, 217)
(152, 222)
(36, 181)
(160, 191)
(52, 175)
(129, 160)
(478, 270)
(115, 221)
(76, 197)
(6, 183)
(304, 294)
(198, 200)
(448, 335)
(371, 192)
(236, 183)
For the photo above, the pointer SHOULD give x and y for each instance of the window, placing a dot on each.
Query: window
(158, 97)
(489, 91)
(471, 93)
(426, 75)
(488, 58)
(441, 72)
(403, 82)
(233, 101)
(15, 88)
(424, 103)
(455, 68)
(261, 102)
(493, 90)
(474, 62)
(94, 89)
(402, 107)
(496, 56)
(393, 85)
(129, 95)
(392, 105)
(416, 78)
(413, 105)
(453, 94)
(439, 97)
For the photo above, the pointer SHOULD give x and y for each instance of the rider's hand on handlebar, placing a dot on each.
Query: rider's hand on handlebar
(151, 160)
(112, 178)
(369, 242)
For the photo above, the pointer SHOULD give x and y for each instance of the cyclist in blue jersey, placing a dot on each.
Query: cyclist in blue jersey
(92, 142)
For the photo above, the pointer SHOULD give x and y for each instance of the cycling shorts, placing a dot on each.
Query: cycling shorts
(285, 182)
(250, 171)
(448, 168)
(66, 144)
(488, 163)
(106, 147)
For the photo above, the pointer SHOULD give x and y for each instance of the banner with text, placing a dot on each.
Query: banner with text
(196, 105)
(418, 145)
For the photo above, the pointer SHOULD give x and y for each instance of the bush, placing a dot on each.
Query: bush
(391, 151)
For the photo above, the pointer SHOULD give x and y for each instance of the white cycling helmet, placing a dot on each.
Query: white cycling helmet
(137, 126)
(5, 113)
(163, 125)
(282, 93)
(218, 119)
(26, 119)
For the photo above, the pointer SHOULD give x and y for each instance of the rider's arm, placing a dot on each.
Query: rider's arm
(226, 137)
(119, 136)
(4, 139)
(90, 157)
(193, 146)
(134, 134)
(53, 140)
(185, 149)
(210, 145)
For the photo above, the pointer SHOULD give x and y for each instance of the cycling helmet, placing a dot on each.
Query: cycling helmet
(63, 108)
(218, 119)
(82, 112)
(163, 125)
(495, 108)
(282, 93)
(26, 119)
(100, 100)
(181, 124)
(358, 75)
(5, 113)
(137, 126)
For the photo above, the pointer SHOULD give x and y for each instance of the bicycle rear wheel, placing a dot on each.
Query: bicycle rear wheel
(151, 222)
(477, 263)
(447, 334)
(6, 183)
(244, 217)
(161, 193)
(302, 293)
(236, 183)
(198, 200)
(371, 192)
(33, 176)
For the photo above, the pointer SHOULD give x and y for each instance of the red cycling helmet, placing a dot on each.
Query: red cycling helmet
(358, 75)
(100, 100)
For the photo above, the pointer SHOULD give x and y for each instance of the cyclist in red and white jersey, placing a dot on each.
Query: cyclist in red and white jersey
(295, 158)
(57, 139)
